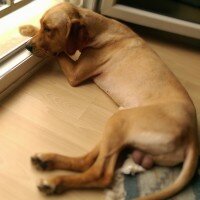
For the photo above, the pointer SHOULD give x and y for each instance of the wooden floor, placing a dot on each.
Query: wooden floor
(46, 115)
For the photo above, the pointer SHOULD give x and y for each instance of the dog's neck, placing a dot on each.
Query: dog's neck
(101, 27)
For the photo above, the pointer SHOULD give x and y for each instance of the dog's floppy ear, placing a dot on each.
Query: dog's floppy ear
(78, 37)
(28, 30)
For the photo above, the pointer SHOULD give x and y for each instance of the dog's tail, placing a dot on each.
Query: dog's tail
(188, 170)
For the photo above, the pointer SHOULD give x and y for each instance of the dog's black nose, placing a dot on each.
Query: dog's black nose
(29, 47)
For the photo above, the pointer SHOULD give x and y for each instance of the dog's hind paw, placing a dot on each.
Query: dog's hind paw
(130, 167)
(40, 163)
(51, 187)
(45, 187)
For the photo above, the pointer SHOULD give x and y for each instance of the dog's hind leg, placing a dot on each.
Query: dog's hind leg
(99, 174)
(107, 177)
(51, 161)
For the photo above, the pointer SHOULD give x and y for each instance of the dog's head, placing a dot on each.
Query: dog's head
(62, 30)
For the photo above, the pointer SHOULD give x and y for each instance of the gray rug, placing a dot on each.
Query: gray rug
(127, 187)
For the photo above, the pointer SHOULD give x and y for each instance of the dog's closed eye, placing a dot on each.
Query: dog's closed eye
(47, 29)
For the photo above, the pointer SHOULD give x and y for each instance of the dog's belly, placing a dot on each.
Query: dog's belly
(122, 95)
(133, 81)
(128, 90)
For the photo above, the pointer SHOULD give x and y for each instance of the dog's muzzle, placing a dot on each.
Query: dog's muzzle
(29, 47)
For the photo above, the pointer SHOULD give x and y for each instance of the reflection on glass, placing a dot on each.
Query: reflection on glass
(3, 2)
(187, 10)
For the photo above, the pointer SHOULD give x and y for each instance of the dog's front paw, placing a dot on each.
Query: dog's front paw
(51, 187)
(28, 30)
(40, 163)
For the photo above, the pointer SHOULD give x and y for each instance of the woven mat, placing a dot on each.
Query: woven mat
(127, 187)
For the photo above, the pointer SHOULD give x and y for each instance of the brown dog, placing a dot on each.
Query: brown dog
(158, 116)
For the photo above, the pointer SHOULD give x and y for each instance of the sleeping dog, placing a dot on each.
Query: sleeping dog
(157, 117)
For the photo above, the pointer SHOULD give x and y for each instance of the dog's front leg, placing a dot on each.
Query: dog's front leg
(76, 72)
(68, 67)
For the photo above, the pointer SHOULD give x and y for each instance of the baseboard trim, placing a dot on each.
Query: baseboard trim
(17, 69)
(21, 79)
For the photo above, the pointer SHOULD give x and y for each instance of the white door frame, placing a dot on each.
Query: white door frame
(145, 18)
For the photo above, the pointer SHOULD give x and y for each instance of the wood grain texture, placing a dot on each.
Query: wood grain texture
(47, 115)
